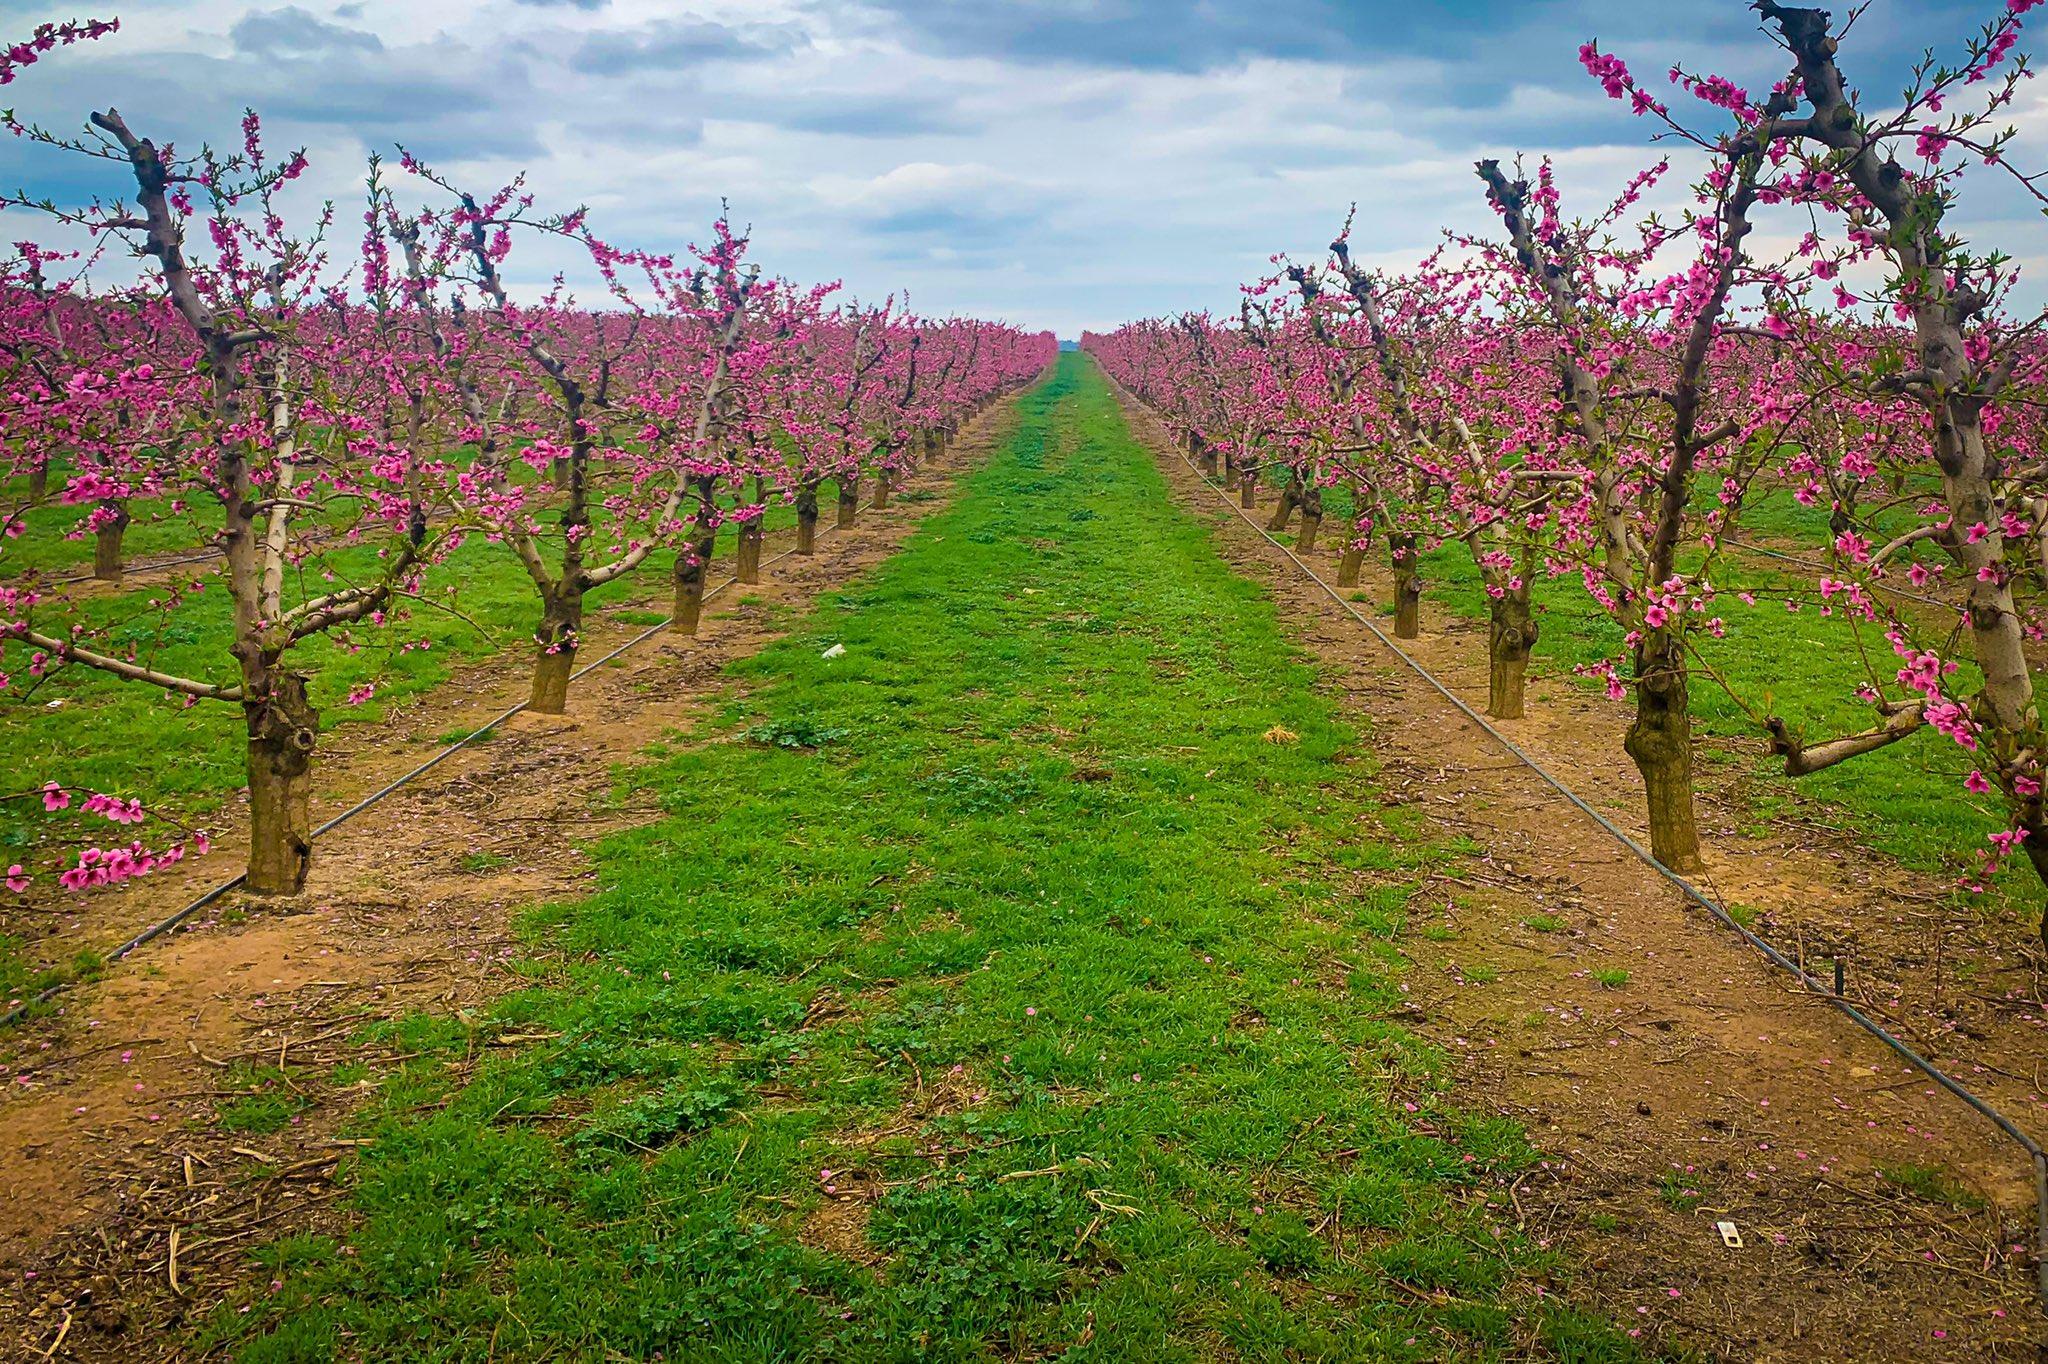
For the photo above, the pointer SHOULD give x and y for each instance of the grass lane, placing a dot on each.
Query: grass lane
(1013, 983)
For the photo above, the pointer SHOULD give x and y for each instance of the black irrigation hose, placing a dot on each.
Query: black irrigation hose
(1749, 548)
(1692, 893)
(164, 926)
(153, 566)
(159, 565)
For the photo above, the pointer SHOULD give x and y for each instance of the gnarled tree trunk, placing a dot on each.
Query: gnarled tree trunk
(693, 565)
(1311, 519)
(1407, 587)
(1510, 635)
(1349, 566)
(561, 621)
(283, 729)
(1290, 498)
(1660, 741)
(747, 557)
(2036, 845)
(849, 499)
(1247, 490)
(106, 546)
(807, 519)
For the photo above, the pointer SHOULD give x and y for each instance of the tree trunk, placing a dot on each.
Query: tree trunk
(106, 547)
(747, 559)
(1290, 497)
(1510, 635)
(561, 622)
(807, 520)
(1248, 490)
(39, 482)
(1348, 566)
(1407, 588)
(1206, 453)
(283, 729)
(1660, 741)
(882, 487)
(693, 565)
(561, 475)
(849, 500)
(1311, 519)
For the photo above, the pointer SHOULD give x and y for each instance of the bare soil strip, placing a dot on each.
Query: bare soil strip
(1700, 1088)
(128, 1202)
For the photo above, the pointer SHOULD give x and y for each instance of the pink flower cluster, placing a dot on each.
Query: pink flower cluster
(48, 36)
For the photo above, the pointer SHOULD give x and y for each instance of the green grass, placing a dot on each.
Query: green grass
(1683, 1192)
(1932, 1183)
(1037, 1014)
(49, 542)
(270, 1100)
(92, 730)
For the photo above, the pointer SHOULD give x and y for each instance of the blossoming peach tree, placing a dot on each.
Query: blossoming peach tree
(241, 418)
(1932, 466)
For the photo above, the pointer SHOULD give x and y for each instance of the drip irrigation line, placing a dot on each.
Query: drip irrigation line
(2034, 1151)
(1750, 548)
(165, 925)
(128, 570)
(153, 566)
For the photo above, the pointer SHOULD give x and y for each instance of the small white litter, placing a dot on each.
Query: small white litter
(835, 651)
(1730, 1237)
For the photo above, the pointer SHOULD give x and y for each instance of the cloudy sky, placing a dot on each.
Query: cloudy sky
(1063, 163)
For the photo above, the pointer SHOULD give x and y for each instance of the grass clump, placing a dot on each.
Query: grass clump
(1930, 1182)
(797, 731)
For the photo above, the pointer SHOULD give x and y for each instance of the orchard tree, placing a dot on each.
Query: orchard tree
(1933, 464)
(1457, 422)
(1636, 352)
(629, 411)
(236, 421)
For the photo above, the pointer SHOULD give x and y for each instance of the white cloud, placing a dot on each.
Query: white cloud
(888, 145)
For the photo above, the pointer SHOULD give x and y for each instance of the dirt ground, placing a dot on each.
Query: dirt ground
(132, 1188)
(1878, 1217)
